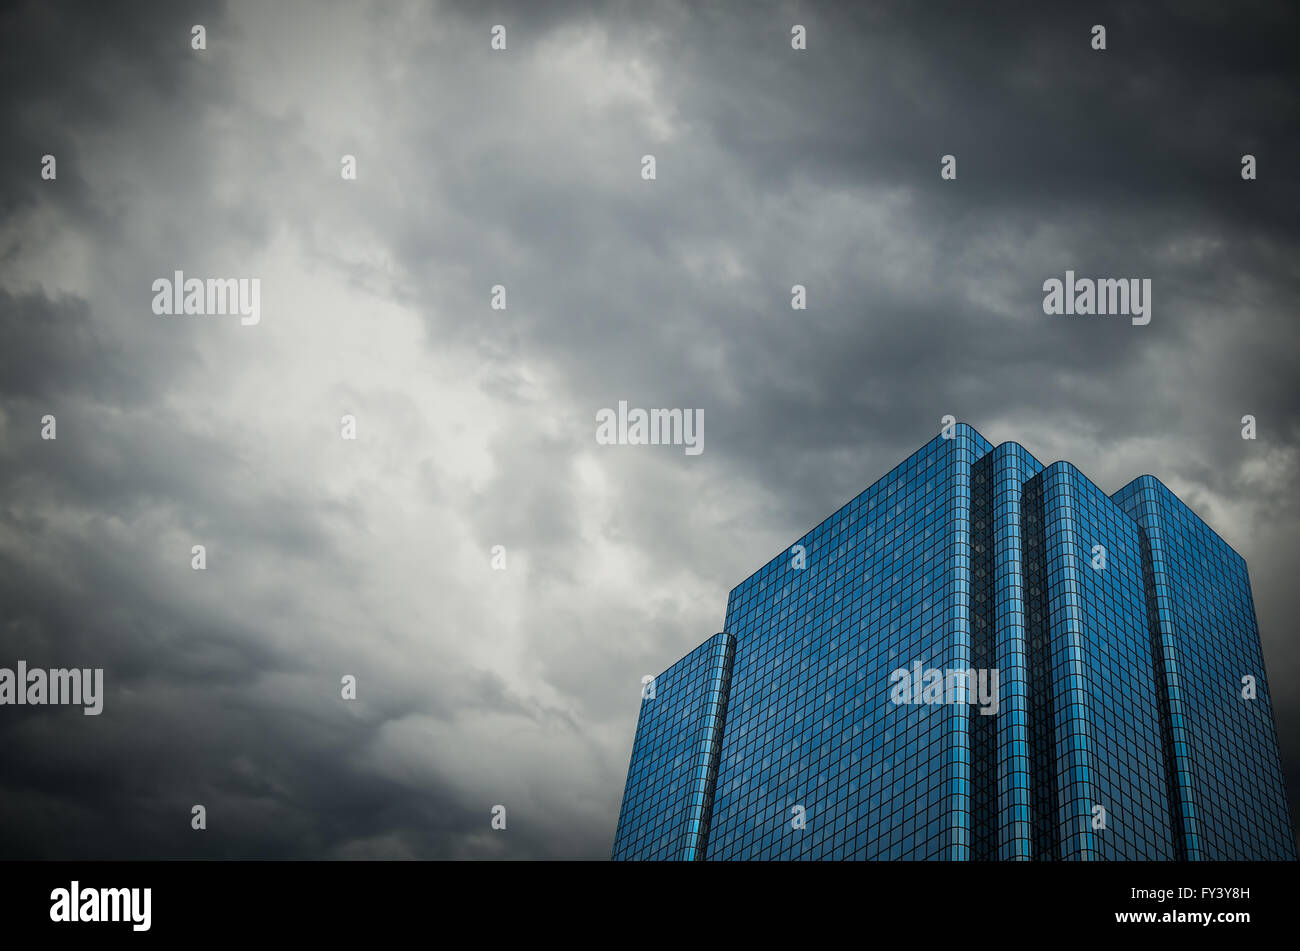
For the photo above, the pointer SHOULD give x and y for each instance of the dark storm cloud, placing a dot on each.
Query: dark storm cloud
(71, 67)
(53, 352)
(1068, 159)
(774, 168)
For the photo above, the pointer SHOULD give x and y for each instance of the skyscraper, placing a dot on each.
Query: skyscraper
(1122, 709)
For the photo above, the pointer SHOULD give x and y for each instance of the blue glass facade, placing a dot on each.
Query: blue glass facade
(1101, 738)
(886, 580)
(668, 799)
(1002, 803)
(1116, 632)
(1228, 785)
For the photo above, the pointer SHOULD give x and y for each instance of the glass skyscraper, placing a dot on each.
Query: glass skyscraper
(979, 657)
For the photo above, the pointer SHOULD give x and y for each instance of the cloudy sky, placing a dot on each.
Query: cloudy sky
(476, 427)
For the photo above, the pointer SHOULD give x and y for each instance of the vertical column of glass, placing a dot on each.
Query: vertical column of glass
(984, 793)
(1143, 506)
(957, 781)
(704, 761)
(1074, 744)
(1011, 468)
